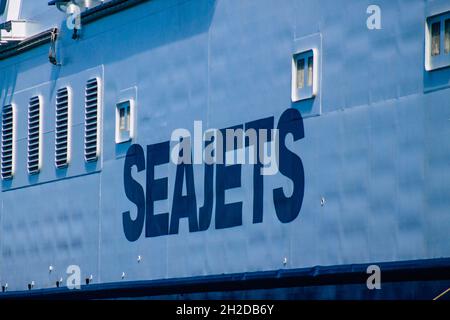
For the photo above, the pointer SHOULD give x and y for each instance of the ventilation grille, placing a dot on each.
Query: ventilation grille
(91, 121)
(34, 136)
(62, 128)
(7, 141)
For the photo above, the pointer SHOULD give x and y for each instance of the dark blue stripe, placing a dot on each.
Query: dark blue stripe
(391, 272)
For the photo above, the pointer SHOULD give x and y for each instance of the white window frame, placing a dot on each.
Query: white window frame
(120, 137)
(443, 59)
(307, 92)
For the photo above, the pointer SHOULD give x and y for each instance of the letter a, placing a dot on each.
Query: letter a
(374, 20)
(74, 278)
(374, 281)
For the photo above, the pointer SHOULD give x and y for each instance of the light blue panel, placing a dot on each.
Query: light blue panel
(364, 66)
(377, 154)
(436, 168)
(117, 254)
(43, 228)
(249, 77)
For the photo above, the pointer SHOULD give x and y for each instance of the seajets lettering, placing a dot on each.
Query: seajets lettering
(218, 178)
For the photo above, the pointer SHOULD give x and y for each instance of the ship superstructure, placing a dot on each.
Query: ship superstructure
(93, 93)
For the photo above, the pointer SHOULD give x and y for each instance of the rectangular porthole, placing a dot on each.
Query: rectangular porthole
(34, 135)
(92, 113)
(125, 121)
(304, 75)
(62, 128)
(8, 142)
(437, 42)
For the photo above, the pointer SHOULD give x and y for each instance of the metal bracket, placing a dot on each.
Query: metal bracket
(7, 26)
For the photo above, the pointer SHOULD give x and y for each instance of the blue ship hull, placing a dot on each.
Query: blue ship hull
(363, 175)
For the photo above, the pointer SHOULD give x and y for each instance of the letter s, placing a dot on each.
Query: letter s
(134, 192)
(291, 166)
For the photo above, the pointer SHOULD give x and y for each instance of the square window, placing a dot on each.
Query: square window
(437, 48)
(304, 84)
(124, 121)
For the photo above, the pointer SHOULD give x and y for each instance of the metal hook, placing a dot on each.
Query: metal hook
(52, 50)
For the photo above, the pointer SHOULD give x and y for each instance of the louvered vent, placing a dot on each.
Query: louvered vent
(34, 135)
(62, 128)
(91, 148)
(7, 142)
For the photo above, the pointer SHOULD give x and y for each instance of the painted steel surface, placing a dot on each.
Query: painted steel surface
(375, 143)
